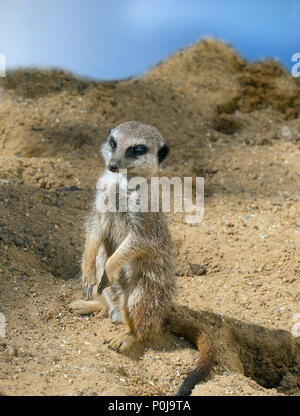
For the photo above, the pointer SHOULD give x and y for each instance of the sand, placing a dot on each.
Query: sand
(235, 123)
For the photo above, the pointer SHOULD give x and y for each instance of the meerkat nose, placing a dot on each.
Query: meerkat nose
(112, 167)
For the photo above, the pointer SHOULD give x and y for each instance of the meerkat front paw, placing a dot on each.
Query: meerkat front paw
(123, 343)
(111, 271)
(90, 286)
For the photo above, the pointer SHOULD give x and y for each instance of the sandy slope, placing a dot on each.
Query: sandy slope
(237, 124)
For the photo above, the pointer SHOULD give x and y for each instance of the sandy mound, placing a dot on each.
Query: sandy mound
(235, 123)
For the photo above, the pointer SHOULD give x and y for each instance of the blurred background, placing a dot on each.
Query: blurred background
(117, 39)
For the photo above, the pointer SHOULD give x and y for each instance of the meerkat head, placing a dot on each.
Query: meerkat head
(137, 147)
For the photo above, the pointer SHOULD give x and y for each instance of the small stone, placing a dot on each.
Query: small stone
(19, 242)
(285, 133)
(2, 346)
(197, 269)
(113, 391)
(13, 352)
(230, 224)
(289, 133)
(262, 303)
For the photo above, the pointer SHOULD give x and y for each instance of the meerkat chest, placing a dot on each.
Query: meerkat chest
(114, 223)
(118, 228)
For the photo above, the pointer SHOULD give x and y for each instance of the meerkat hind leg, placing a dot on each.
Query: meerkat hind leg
(127, 343)
(113, 303)
(124, 343)
(85, 307)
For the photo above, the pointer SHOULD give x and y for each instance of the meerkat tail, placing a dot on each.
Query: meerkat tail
(188, 328)
(203, 368)
(85, 307)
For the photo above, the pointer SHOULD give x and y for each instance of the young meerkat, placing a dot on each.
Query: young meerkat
(128, 252)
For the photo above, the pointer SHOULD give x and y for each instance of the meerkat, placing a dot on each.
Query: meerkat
(127, 260)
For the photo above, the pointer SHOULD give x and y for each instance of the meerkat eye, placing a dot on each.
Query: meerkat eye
(113, 143)
(135, 151)
(139, 149)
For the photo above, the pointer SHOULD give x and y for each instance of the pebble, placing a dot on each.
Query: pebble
(13, 352)
(113, 391)
(197, 269)
(289, 133)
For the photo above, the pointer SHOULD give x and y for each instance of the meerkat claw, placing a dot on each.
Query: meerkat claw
(90, 291)
(122, 343)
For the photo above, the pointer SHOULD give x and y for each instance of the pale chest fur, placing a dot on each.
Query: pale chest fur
(115, 225)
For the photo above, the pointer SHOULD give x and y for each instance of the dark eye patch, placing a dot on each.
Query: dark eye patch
(112, 143)
(135, 151)
(163, 152)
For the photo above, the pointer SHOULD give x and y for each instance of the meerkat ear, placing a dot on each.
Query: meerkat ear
(162, 153)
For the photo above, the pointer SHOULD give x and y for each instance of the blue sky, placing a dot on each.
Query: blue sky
(112, 39)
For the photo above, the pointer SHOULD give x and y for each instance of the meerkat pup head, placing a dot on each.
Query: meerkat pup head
(137, 147)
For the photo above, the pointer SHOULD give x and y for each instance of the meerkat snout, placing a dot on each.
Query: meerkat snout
(113, 167)
(138, 148)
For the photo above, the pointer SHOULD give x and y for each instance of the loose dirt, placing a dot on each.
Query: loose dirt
(235, 123)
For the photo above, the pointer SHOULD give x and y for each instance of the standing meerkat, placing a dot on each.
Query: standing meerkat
(128, 253)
